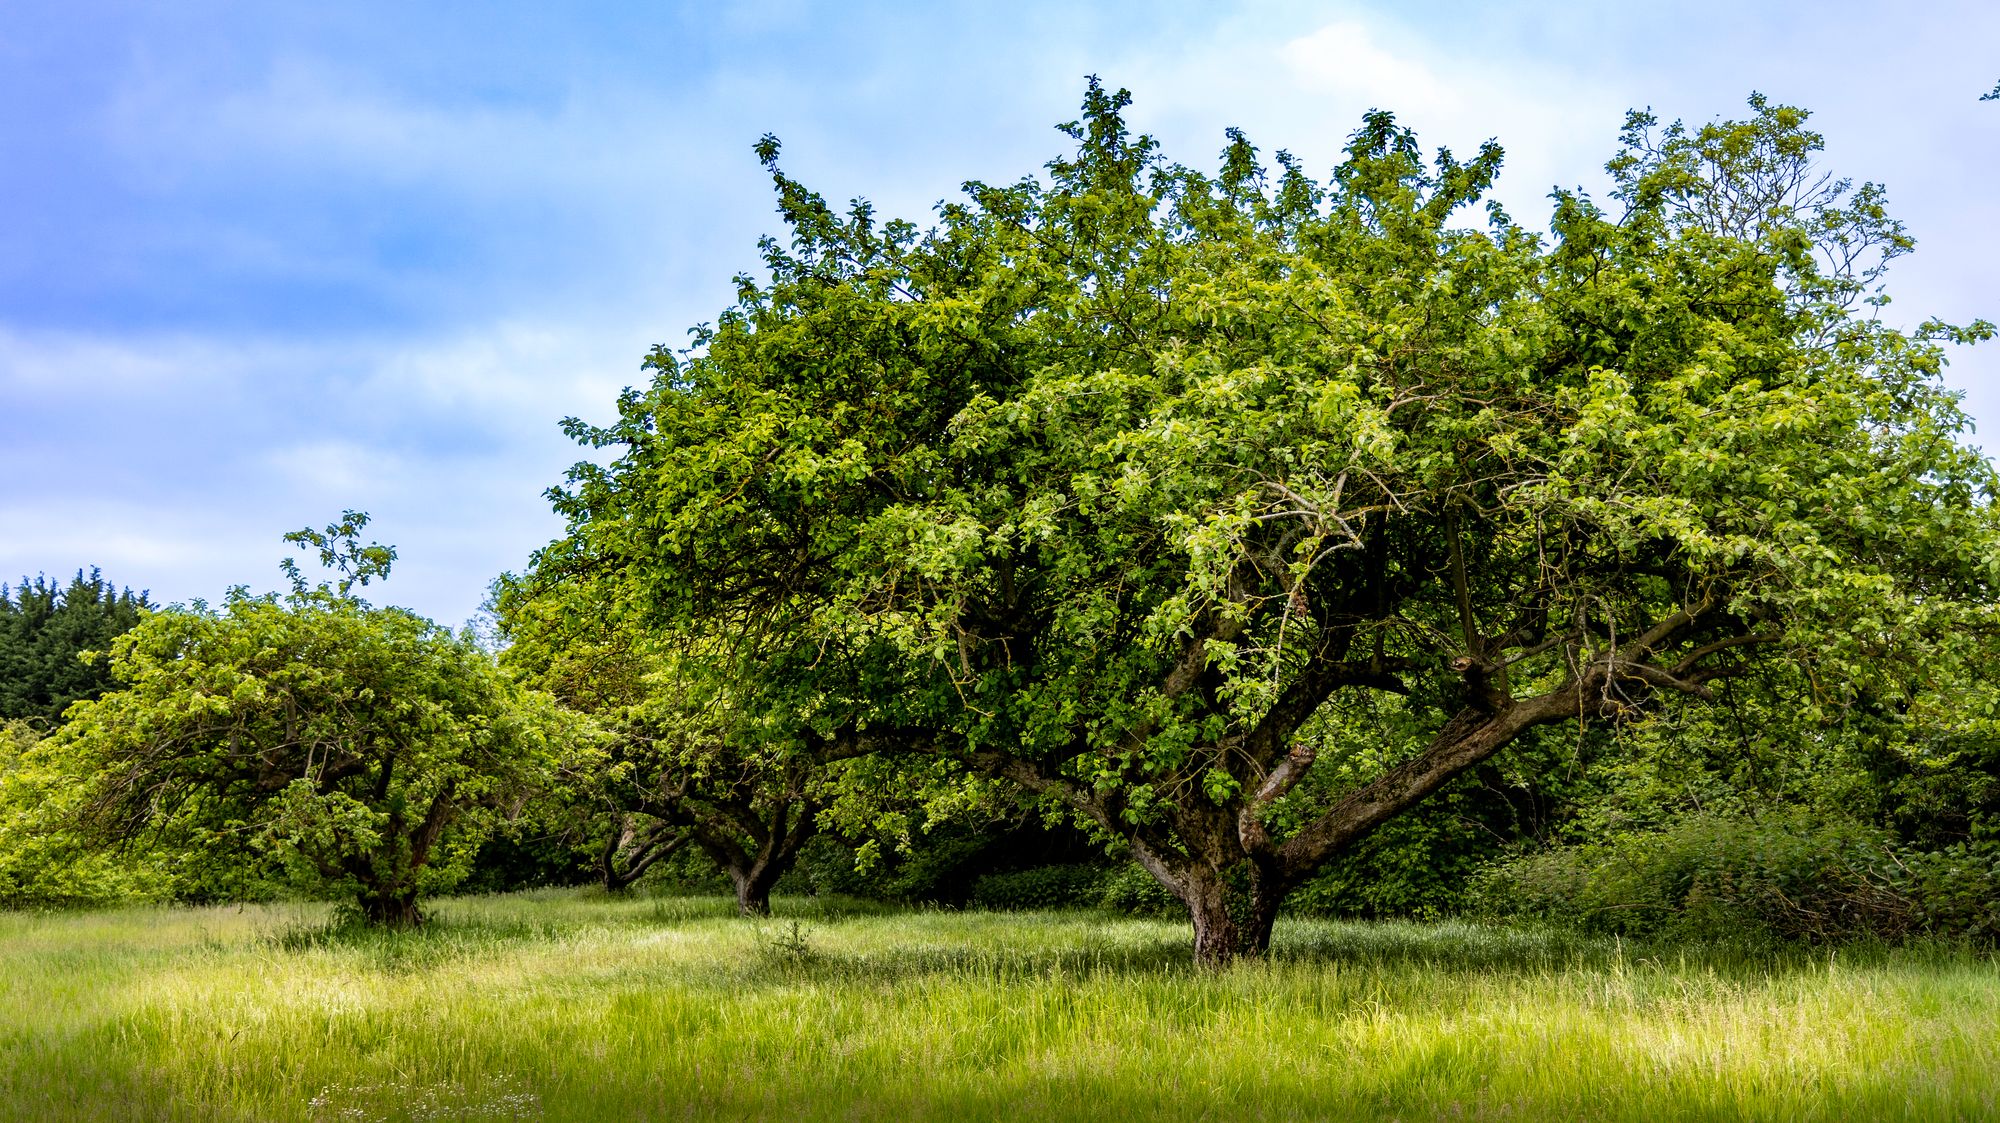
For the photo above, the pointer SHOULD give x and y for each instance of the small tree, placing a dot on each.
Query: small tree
(1239, 513)
(370, 747)
(676, 764)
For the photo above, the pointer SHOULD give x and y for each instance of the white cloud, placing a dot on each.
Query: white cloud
(1300, 81)
(1343, 58)
(309, 116)
(177, 461)
(511, 372)
(178, 552)
(336, 468)
(41, 365)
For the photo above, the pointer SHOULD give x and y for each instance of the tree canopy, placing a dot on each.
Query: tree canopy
(367, 747)
(677, 764)
(1237, 512)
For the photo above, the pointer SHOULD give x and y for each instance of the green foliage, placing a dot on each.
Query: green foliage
(339, 548)
(1421, 865)
(1769, 814)
(45, 632)
(521, 853)
(1237, 513)
(368, 749)
(683, 763)
(827, 868)
(1134, 892)
(1044, 887)
(672, 765)
(1786, 877)
(43, 860)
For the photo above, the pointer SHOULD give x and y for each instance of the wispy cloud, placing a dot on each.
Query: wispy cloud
(261, 263)
(177, 461)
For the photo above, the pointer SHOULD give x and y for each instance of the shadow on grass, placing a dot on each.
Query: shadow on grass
(435, 943)
(1109, 945)
(807, 941)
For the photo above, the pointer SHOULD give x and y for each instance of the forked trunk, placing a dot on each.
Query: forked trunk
(629, 852)
(617, 881)
(1228, 923)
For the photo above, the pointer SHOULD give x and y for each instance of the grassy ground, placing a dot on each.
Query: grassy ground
(574, 1006)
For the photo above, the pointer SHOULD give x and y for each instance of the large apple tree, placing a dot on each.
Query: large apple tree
(1237, 512)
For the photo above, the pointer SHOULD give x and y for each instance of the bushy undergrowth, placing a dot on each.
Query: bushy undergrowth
(1780, 877)
(1049, 887)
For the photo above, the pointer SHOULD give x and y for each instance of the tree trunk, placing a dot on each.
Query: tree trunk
(1266, 894)
(1228, 925)
(616, 880)
(753, 891)
(1217, 939)
(391, 909)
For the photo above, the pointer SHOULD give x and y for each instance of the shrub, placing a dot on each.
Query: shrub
(1046, 887)
(1131, 890)
(1779, 876)
(1420, 865)
(825, 867)
(1958, 890)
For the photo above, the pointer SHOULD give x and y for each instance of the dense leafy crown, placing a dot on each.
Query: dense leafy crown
(1134, 472)
(367, 746)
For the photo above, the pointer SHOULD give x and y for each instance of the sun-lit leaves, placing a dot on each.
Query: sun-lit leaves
(368, 748)
(1111, 482)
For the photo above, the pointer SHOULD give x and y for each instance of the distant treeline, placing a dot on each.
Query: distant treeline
(45, 627)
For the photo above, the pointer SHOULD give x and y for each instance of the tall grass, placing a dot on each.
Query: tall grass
(576, 1006)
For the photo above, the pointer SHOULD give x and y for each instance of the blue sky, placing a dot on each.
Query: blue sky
(260, 262)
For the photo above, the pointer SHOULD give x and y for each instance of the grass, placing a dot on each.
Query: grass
(576, 1006)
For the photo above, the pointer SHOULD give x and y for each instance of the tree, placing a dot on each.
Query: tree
(1239, 513)
(674, 768)
(44, 631)
(370, 747)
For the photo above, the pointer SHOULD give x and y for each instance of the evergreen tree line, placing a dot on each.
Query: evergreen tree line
(44, 629)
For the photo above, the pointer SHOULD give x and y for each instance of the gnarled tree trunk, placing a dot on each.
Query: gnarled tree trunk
(1218, 939)
(1229, 922)
(775, 835)
(391, 908)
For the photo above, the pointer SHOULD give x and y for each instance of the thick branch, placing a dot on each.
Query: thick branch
(1250, 819)
(1028, 775)
(1471, 736)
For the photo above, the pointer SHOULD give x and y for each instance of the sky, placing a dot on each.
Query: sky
(262, 262)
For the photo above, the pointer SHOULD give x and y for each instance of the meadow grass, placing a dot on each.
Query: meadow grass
(573, 1005)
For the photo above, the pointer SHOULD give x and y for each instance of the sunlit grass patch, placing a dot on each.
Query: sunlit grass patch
(582, 1006)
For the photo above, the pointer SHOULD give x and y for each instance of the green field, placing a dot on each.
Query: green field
(577, 1006)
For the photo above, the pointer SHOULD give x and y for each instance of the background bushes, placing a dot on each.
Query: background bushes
(1048, 887)
(1782, 876)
